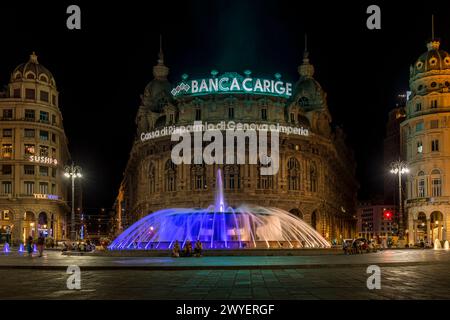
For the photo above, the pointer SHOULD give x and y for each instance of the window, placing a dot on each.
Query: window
(198, 114)
(436, 188)
(7, 114)
(29, 149)
(43, 171)
(419, 147)
(53, 99)
(7, 133)
(29, 133)
(53, 188)
(418, 107)
(313, 178)
(293, 174)
(53, 172)
(44, 117)
(29, 188)
(53, 153)
(230, 113)
(30, 115)
(28, 169)
(53, 137)
(419, 126)
(421, 185)
(434, 104)
(6, 169)
(43, 96)
(264, 114)
(231, 177)
(7, 151)
(6, 215)
(43, 135)
(30, 94)
(292, 118)
(53, 119)
(170, 175)
(434, 124)
(6, 187)
(435, 145)
(43, 151)
(16, 93)
(43, 187)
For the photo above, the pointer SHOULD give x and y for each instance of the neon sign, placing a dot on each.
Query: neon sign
(232, 82)
(45, 196)
(45, 160)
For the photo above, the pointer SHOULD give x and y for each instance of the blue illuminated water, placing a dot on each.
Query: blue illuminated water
(220, 227)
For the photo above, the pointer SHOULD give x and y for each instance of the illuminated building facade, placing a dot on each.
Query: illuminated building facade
(316, 177)
(33, 151)
(426, 146)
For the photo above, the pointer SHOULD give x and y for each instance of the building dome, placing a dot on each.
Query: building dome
(434, 59)
(157, 92)
(32, 70)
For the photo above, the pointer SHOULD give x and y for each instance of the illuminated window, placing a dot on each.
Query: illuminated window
(7, 151)
(419, 147)
(421, 185)
(43, 187)
(43, 135)
(29, 149)
(44, 117)
(43, 151)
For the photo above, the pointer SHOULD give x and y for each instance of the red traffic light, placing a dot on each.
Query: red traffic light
(388, 214)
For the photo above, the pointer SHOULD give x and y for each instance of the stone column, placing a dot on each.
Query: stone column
(428, 232)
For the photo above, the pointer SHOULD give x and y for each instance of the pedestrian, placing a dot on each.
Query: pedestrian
(198, 248)
(176, 249)
(30, 246)
(40, 244)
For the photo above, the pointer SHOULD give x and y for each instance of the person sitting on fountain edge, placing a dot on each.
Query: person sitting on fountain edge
(187, 250)
(176, 249)
(198, 248)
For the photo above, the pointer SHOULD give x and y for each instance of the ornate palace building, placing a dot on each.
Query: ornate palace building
(316, 177)
(33, 151)
(426, 146)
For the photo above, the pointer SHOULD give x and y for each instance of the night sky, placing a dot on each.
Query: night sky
(101, 70)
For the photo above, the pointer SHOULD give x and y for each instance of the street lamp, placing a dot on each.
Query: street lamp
(399, 167)
(72, 172)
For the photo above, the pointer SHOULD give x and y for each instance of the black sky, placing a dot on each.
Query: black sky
(101, 70)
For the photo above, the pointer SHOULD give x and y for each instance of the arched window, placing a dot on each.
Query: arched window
(231, 177)
(436, 183)
(313, 178)
(170, 176)
(151, 178)
(421, 185)
(264, 181)
(293, 174)
(198, 176)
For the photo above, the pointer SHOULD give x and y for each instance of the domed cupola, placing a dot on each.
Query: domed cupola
(157, 92)
(308, 93)
(434, 60)
(32, 71)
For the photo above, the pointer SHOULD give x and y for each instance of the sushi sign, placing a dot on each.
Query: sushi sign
(232, 82)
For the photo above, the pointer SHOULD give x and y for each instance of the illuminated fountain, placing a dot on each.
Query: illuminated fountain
(220, 227)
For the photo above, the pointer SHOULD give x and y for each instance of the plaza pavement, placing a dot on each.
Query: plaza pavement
(405, 274)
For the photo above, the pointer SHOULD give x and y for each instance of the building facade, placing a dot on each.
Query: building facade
(33, 151)
(315, 181)
(374, 223)
(426, 146)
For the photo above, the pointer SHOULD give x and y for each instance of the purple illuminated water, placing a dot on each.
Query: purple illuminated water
(220, 227)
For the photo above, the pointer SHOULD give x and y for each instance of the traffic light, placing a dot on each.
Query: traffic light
(388, 214)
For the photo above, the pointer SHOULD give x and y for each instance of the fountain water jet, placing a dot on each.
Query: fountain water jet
(219, 227)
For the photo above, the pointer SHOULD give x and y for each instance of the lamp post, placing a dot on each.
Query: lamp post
(72, 172)
(399, 167)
